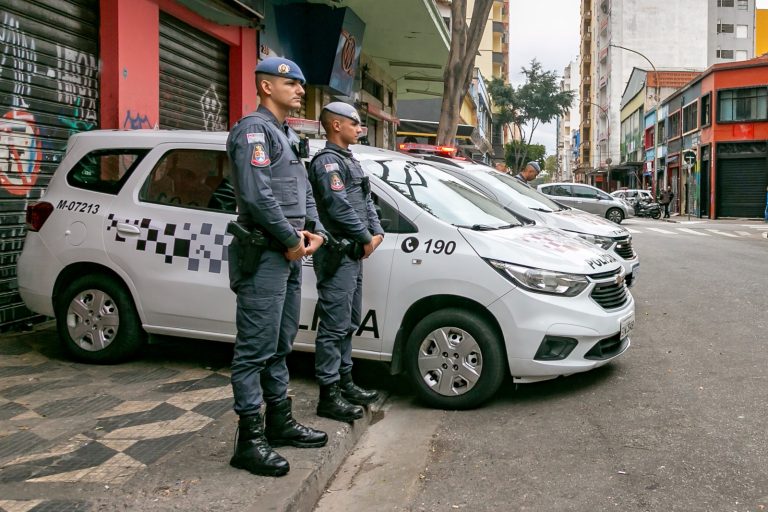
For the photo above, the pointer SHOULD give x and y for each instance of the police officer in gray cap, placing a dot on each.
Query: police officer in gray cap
(343, 197)
(529, 173)
(275, 205)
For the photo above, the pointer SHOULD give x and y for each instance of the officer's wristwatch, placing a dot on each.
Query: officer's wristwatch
(323, 235)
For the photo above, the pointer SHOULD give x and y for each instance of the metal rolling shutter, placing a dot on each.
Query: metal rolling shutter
(741, 187)
(49, 86)
(194, 78)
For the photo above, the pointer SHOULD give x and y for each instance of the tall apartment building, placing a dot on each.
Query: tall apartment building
(653, 34)
(568, 125)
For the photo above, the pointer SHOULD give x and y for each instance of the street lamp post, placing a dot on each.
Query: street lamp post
(657, 101)
(607, 124)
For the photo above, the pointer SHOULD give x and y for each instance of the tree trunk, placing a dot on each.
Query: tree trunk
(465, 41)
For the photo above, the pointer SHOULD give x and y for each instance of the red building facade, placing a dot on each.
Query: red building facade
(733, 141)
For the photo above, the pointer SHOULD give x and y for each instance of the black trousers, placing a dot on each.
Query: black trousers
(666, 210)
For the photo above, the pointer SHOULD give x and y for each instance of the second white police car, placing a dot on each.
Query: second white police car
(130, 240)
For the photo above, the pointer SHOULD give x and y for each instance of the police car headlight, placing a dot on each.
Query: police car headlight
(603, 241)
(542, 281)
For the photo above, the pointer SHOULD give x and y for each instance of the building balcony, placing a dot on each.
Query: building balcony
(498, 58)
(603, 54)
(499, 28)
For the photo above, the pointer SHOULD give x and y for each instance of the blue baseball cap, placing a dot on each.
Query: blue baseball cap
(278, 66)
(343, 109)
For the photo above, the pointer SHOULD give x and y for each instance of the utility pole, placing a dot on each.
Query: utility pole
(657, 98)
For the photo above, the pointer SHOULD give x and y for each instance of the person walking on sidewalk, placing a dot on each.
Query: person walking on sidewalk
(265, 269)
(343, 197)
(666, 198)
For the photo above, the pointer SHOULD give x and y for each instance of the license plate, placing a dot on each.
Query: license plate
(635, 271)
(625, 326)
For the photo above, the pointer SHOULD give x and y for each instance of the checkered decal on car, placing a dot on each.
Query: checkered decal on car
(197, 245)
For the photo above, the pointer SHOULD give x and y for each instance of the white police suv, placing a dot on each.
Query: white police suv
(530, 204)
(130, 240)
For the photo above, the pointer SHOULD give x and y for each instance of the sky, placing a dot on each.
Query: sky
(547, 30)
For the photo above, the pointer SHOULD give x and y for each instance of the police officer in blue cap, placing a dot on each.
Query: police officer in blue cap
(343, 197)
(275, 203)
(529, 173)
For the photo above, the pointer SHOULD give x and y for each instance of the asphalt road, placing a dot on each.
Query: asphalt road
(677, 423)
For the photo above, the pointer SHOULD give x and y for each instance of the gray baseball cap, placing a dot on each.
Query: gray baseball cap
(343, 109)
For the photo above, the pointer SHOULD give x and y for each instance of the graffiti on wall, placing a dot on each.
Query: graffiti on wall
(20, 142)
(20, 152)
(77, 86)
(30, 138)
(136, 121)
(211, 107)
(19, 57)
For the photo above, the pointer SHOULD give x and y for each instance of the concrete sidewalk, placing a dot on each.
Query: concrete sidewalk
(152, 434)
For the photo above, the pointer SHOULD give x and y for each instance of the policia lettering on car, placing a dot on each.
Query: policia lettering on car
(605, 259)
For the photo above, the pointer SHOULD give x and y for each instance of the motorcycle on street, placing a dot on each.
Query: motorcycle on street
(647, 209)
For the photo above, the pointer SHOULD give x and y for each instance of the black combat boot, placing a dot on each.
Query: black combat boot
(282, 430)
(354, 394)
(332, 405)
(252, 451)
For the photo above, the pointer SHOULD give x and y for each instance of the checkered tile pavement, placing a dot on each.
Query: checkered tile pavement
(67, 423)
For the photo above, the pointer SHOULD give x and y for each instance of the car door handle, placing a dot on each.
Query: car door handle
(128, 229)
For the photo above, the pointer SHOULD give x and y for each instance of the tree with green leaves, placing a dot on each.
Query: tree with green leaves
(538, 100)
(533, 152)
(465, 41)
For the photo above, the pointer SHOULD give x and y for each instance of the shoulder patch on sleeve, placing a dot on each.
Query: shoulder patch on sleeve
(260, 158)
(254, 137)
(337, 183)
(331, 167)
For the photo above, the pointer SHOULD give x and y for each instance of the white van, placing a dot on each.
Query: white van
(529, 203)
(130, 240)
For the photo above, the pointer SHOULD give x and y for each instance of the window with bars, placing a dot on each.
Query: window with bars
(750, 104)
(725, 3)
(725, 54)
(725, 28)
(742, 4)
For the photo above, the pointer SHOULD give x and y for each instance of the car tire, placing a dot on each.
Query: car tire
(473, 351)
(97, 321)
(615, 215)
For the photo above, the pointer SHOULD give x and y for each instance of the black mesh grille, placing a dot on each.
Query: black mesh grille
(624, 248)
(607, 348)
(610, 295)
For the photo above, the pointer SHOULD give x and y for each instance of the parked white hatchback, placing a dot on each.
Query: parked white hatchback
(130, 239)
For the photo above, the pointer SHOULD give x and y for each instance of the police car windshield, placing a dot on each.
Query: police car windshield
(441, 194)
(530, 197)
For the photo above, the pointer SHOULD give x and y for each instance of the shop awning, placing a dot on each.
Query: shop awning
(429, 129)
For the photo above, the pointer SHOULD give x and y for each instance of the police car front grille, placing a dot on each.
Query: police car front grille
(624, 248)
(607, 348)
(610, 295)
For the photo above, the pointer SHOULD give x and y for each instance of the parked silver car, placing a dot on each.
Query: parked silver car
(588, 198)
